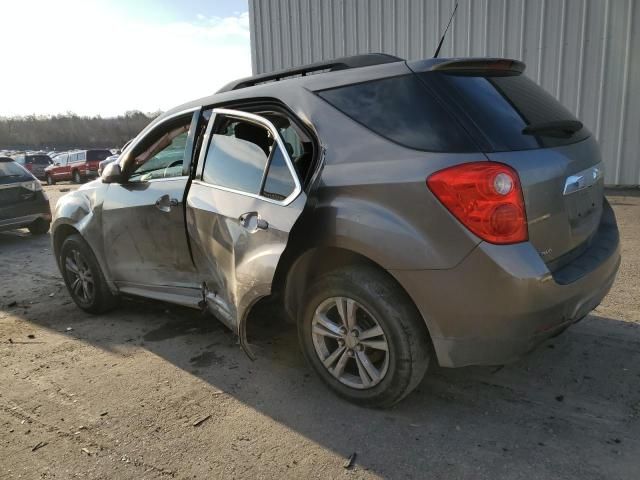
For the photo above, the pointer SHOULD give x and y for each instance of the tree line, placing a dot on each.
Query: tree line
(63, 132)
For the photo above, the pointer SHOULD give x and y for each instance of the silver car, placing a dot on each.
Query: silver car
(444, 211)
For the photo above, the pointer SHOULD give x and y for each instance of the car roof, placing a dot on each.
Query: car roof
(263, 86)
(288, 84)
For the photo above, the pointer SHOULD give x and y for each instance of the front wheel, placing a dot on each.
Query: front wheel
(364, 337)
(50, 180)
(83, 276)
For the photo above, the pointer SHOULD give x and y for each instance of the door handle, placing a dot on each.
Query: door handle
(165, 202)
(253, 222)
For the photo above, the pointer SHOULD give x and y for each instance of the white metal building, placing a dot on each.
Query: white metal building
(585, 52)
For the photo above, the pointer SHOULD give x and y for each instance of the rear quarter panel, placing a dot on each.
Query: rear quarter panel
(372, 198)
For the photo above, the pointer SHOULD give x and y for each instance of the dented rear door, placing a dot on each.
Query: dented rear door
(241, 206)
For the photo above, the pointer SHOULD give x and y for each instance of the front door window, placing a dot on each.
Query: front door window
(163, 158)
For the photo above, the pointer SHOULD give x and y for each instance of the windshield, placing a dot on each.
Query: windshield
(510, 112)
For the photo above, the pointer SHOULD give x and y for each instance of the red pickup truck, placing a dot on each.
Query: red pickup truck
(77, 165)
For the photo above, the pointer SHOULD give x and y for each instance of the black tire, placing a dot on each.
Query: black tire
(407, 337)
(77, 178)
(100, 299)
(50, 180)
(39, 227)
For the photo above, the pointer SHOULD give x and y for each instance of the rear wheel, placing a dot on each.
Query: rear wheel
(50, 180)
(39, 227)
(364, 337)
(76, 177)
(83, 277)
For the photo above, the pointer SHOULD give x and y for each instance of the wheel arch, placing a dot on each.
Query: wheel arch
(60, 234)
(64, 230)
(295, 275)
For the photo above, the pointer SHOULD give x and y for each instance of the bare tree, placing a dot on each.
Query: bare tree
(68, 131)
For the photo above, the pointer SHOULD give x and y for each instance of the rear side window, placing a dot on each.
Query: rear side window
(501, 107)
(97, 155)
(402, 110)
(237, 156)
(11, 169)
(244, 156)
(278, 183)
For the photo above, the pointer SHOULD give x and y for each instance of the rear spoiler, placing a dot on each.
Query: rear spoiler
(470, 66)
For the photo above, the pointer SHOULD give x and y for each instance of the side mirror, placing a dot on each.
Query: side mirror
(112, 173)
(56, 164)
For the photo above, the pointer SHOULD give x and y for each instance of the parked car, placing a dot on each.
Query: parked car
(76, 165)
(443, 210)
(105, 162)
(35, 162)
(22, 201)
(112, 158)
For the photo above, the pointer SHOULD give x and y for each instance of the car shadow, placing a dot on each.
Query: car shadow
(568, 409)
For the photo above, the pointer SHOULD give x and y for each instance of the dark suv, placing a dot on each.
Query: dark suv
(76, 165)
(405, 212)
(36, 163)
(22, 201)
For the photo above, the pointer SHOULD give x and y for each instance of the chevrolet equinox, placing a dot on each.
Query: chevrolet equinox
(442, 210)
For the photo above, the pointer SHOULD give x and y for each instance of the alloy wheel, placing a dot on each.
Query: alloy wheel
(350, 342)
(80, 277)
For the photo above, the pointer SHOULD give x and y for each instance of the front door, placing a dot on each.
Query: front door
(241, 207)
(143, 217)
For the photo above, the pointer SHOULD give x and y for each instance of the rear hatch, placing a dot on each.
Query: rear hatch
(13, 190)
(38, 163)
(515, 122)
(94, 157)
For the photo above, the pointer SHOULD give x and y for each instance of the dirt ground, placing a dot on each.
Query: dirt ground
(156, 391)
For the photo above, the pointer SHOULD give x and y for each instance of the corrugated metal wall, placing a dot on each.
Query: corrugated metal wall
(585, 52)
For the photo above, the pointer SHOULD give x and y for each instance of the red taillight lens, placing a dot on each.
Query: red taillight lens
(28, 166)
(486, 197)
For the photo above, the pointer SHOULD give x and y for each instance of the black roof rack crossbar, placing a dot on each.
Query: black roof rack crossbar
(343, 63)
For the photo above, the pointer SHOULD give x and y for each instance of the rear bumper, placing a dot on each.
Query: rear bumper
(502, 300)
(24, 214)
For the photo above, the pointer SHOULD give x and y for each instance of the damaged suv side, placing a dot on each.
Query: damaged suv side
(396, 228)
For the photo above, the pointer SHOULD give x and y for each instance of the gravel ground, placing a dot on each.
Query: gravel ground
(157, 391)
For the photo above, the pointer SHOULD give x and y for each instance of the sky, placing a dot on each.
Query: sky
(106, 57)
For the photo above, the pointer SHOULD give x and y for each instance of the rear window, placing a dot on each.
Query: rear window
(97, 155)
(38, 159)
(500, 107)
(11, 169)
(402, 110)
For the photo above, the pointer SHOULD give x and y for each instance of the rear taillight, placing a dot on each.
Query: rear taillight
(486, 197)
(28, 166)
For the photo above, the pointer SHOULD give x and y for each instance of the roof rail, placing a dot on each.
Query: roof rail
(343, 63)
